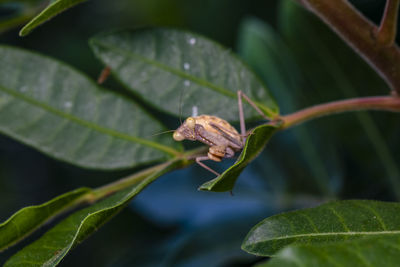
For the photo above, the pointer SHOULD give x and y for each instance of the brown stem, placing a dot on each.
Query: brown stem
(384, 103)
(359, 33)
(386, 34)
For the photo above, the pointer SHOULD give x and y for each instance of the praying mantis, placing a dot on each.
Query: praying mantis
(221, 137)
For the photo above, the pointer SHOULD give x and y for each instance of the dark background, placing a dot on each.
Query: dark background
(338, 157)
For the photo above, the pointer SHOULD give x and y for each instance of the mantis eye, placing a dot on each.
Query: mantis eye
(190, 122)
(178, 136)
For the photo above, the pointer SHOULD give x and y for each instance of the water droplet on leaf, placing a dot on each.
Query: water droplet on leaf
(192, 41)
(68, 104)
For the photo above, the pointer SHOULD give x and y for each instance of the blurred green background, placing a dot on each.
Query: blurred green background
(345, 156)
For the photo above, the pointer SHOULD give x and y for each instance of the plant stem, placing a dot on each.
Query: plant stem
(113, 187)
(360, 33)
(384, 103)
(386, 34)
(181, 161)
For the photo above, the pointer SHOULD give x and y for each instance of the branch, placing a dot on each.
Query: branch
(386, 34)
(383, 103)
(360, 34)
(182, 160)
(121, 184)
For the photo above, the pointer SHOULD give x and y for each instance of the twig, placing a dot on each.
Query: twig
(386, 34)
(384, 103)
(360, 33)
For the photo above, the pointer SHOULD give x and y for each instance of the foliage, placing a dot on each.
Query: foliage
(371, 251)
(62, 122)
(87, 127)
(30, 218)
(332, 222)
(254, 145)
(194, 63)
(57, 242)
(161, 73)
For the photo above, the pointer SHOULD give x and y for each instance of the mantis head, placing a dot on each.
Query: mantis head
(186, 130)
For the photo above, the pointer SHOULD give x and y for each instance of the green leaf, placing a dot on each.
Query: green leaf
(255, 143)
(335, 221)
(373, 251)
(53, 9)
(265, 51)
(28, 219)
(162, 64)
(59, 111)
(52, 247)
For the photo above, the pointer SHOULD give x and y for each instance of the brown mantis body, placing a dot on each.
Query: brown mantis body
(221, 137)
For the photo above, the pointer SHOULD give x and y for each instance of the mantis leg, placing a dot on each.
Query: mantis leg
(241, 114)
(225, 134)
(199, 161)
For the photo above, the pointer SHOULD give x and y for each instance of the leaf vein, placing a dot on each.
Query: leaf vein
(324, 255)
(358, 255)
(372, 233)
(310, 221)
(177, 72)
(340, 218)
(88, 124)
(377, 215)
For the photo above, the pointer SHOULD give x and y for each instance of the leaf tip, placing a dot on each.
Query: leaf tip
(245, 246)
(211, 185)
(207, 186)
(215, 186)
(23, 32)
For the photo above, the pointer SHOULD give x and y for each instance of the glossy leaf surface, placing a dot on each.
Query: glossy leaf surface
(162, 64)
(335, 221)
(372, 251)
(59, 111)
(28, 219)
(52, 247)
(255, 143)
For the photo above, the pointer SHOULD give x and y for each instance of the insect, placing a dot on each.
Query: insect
(221, 137)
